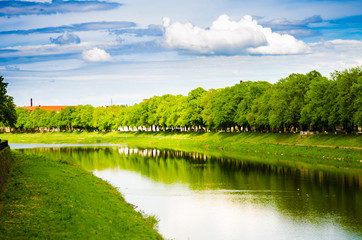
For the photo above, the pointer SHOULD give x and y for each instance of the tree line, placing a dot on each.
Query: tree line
(7, 106)
(298, 102)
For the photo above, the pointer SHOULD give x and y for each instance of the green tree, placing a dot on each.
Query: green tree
(53, 119)
(66, 118)
(105, 118)
(244, 110)
(134, 115)
(111, 117)
(177, 112)
(287, 100)
(8, 115)
(99, 118)
(83, 117)
(320, 102)
(347, 95)
(208, 102)
(121, 115)
(23, 121)
(38, 118)
(164, 110)
(226, 105)
(259, 112)
(143, 112)
(152, 110)
(357, 91)
(192, 112)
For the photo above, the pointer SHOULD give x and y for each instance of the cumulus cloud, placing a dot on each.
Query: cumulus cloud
(96, 55)
(280, 44)
(66, 38)
(227, 37)
(16, 8)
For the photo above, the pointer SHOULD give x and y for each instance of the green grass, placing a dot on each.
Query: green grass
(47, 199)
(236, 146)
(334, 140)
(5, 160)
(115, 137)
(337, 151)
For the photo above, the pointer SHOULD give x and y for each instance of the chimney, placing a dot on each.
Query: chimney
(31, 102)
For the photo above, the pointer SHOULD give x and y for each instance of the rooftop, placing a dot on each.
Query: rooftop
(48, 108)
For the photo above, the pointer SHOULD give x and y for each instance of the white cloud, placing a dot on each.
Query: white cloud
(52, 49)
(66, 38)
(169, 75)
(96, 55)
(280, 44)
(12, 68)
(228, 37)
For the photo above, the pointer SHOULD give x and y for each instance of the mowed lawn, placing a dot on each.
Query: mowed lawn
(48, 199)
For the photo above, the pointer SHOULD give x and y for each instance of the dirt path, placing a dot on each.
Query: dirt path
(327, 146)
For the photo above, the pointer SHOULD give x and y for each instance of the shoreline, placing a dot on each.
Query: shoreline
(318, 140)
(326, 151)
(44, 198)
(275, 149)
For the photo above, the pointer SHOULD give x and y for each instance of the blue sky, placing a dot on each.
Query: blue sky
(89, 52)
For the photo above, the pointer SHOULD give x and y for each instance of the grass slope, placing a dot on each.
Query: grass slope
(114, 137)
(47, 199)
(280, 147)
(337, 151)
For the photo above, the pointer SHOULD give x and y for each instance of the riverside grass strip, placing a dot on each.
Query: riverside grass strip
(5, 161)
(48, 199)
(331, 140)
(326, 151)
(284, 149)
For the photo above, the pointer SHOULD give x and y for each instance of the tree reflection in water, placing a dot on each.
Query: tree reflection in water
(299, 193)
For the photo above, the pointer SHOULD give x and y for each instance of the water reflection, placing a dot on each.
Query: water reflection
(326, 204)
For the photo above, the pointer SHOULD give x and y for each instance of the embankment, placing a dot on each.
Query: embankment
(5, 160)
(48, 199)
(313, 152)
(338, 151)
(323, 140)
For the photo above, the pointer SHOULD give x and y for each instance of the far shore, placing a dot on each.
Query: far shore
(321, 150)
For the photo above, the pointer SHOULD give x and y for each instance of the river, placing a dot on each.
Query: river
(198, 196)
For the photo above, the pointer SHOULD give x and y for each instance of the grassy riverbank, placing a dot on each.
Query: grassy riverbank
(47, 199)
(330, 140)
(289, 149)
(340, 151)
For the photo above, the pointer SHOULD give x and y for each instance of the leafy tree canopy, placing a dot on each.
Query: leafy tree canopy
(8, 115)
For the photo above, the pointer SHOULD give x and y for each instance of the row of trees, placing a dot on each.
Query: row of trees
(298, 102)
(7, 107)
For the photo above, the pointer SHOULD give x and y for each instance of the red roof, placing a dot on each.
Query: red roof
(48, 108)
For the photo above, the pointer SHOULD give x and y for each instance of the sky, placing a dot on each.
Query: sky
(121, 52)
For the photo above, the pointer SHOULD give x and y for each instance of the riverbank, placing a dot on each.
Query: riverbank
(48, 199)
(337, 151)
(321, 152)
(321, 140)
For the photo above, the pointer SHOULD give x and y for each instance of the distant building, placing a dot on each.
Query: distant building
(48, 108)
